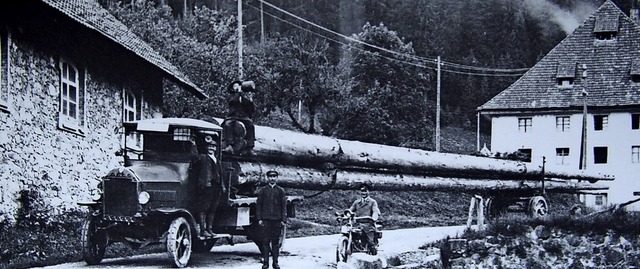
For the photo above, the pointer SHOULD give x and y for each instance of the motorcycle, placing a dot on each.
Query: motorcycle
(353, 239)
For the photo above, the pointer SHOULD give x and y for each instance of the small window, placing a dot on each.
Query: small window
(524, 125)
(635, 154)
(565, 74)
(606, 26)
(599, 200)
(634, 71)
(4, 69)
(600, 122)
(72, 98)
(562, 156)
(635, 121)
(181, 134)
(526, 153)
(600, 154)
(131, 111)
(562, 124)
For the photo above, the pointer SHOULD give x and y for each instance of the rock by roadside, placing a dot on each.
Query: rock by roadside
(542, 247)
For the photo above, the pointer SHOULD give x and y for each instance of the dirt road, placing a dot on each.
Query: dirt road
(317, 252)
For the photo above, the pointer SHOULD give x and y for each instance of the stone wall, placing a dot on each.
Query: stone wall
(38, 156)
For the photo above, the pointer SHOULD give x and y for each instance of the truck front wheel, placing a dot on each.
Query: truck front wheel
(179, 242)
(94, 242)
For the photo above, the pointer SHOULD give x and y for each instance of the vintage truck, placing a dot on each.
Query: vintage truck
(150, 199)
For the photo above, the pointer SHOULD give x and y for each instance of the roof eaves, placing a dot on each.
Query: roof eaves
(74, 9)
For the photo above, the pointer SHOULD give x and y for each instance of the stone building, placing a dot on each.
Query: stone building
(579, 106)
(70, 75)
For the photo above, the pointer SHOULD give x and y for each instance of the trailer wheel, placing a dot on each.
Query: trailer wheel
(495, 207)
(538, 207)
(179, 242)
(342, 251)
(94, 242)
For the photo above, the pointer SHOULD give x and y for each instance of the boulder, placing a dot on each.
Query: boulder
(364, 261)
(542, 232)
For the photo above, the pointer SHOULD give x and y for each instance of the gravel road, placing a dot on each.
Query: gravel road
(316, 252)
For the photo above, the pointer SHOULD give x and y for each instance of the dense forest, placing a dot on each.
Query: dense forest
(354, 69)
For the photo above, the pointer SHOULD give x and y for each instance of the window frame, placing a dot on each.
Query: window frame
(562, 156)
(5, 68)
(564, 125)
(635, 121)
(600, 122)
(66, 121)
(635, 154)
(525, 124)
(134, 141)
(600, 155)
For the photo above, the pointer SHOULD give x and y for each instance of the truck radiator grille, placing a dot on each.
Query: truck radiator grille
(120, 197)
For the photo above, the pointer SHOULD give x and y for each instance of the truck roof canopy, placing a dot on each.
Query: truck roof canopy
(163, 124)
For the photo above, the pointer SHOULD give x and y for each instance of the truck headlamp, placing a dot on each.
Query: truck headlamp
(143, 198)
(96, 194)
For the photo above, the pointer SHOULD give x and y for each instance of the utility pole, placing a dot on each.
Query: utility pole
(261, 24)
(240, 69)
(438, 109)
(583, 145)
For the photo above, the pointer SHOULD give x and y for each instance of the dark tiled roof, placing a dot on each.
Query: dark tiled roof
(90, 14)
(602, 69)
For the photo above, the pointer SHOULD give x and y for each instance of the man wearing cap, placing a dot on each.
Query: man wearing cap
(271, 213)
(366, 212)
(210, 186)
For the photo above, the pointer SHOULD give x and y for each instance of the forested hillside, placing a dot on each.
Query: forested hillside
(355, 69)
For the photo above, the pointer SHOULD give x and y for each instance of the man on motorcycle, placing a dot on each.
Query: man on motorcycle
(366, 213)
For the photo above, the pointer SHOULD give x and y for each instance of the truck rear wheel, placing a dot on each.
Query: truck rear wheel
(179, 242)
(94, 242)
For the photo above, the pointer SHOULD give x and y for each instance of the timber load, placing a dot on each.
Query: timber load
(315, 162)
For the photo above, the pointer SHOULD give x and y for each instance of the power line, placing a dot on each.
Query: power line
(404, 55)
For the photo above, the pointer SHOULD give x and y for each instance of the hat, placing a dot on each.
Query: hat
(272, 173)
(364, 187)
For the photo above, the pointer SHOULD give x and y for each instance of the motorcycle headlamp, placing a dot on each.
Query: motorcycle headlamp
(144, 197)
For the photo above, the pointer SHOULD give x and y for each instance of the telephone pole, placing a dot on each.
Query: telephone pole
(240, 69)
(438, 109)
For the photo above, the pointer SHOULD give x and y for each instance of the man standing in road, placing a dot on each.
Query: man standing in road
(271, 214)
(366, 213)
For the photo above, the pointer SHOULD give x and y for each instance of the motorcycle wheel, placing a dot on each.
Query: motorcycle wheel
(342, 251)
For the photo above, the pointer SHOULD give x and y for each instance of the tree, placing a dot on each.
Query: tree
(294, 70)
(200, 45)
(387, 102)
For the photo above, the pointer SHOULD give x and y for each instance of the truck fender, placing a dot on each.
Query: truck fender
(178, 212)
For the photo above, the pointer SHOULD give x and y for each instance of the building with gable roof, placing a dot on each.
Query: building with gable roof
(70, 74)
(597, 68)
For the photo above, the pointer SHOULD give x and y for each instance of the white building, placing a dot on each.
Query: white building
(541, 114)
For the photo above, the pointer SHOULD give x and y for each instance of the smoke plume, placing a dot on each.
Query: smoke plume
(568, 20)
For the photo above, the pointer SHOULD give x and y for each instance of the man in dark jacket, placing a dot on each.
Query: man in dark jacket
(241, 108)
(271, 214)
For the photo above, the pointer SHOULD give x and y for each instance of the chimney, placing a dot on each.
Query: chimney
(634, 13)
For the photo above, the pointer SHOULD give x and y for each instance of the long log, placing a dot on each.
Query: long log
(285, 147)
(318, 179)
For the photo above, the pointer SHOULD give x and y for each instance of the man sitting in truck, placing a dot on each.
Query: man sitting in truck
(209, 188)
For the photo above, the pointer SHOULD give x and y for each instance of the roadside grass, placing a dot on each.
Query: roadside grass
(37, 242)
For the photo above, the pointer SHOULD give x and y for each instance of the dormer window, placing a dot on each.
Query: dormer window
(566, 74)
(634, 71)
(606, 27)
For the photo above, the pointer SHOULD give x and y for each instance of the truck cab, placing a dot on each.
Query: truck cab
(152, 199)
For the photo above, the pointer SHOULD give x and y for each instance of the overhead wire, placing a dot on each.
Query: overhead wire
(403, 55)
